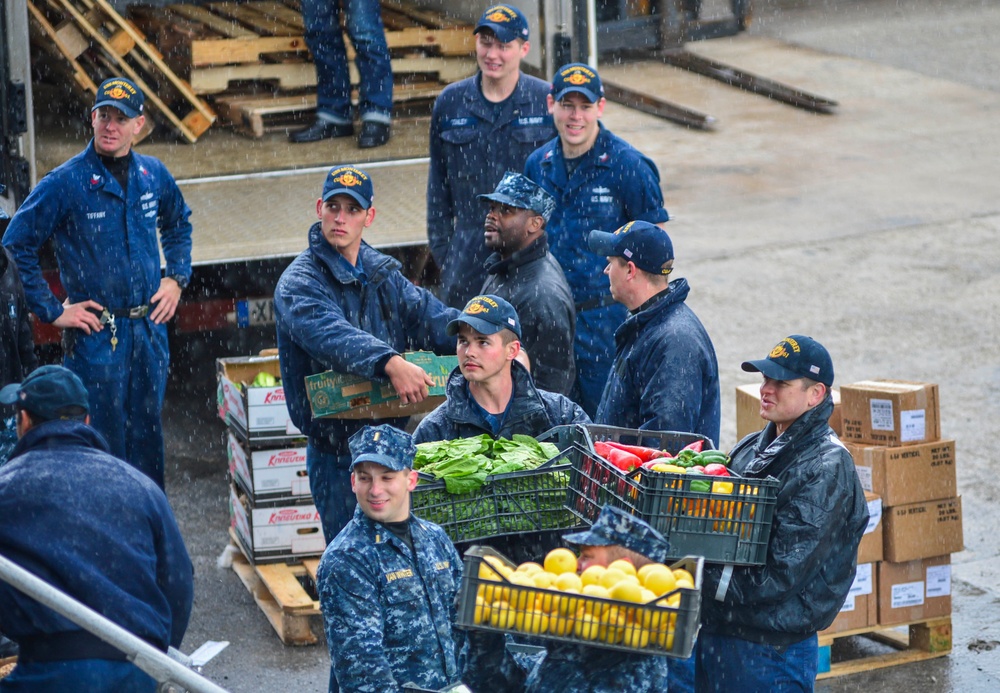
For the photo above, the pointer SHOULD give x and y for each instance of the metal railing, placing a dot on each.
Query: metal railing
(162, 667)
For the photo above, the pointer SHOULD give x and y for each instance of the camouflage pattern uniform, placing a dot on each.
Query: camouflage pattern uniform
(388, 610)
(576, 668)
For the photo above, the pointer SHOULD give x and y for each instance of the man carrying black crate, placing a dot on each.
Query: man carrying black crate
(572, 668)
(490, 391)
(387, 583)
(759, 623)
(343, 306)
(665, 376)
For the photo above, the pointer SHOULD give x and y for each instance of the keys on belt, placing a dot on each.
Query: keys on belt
(108, 318)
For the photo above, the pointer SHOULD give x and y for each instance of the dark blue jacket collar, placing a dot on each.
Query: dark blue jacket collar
(375, 264)
(495, 264)
(60, 434)
(677, 294)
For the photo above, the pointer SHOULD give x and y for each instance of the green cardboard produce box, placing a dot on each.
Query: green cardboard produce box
(338, 395)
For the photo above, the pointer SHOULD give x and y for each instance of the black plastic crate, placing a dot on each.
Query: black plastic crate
(584, 436)
(521, 502)
(724, 528)
(681, 619)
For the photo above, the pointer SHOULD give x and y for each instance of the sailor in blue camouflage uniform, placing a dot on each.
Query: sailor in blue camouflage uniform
(341, 305)
(566, 668)
(600, 182)
(481, 127)
(388, 582)
(110, 211)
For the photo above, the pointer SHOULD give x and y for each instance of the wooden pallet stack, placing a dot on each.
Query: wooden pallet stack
(252, 61)
(93, 42)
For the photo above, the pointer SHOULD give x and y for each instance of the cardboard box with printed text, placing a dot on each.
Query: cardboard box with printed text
(890, 412)
(923, 530)
(277, 532)
(339, 395)
(914, 591)
(257, 413)
(870, 548)
(274, 474)
(860, 609)
(909, 474)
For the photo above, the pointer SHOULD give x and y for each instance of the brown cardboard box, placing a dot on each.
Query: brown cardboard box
(890, 412)
(748, 411)
(860, 610)
(914, 591)
(870, 548)
(922, 530)
(907, 474)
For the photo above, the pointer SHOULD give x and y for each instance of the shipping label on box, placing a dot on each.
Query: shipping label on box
(748, 411)
(339, 395)
(910, 474)
(860, 609)
(269, 475)
(914, 590)
(870, 548)
(890, 412)
(277, 532)
(922, 530)
(256, 411)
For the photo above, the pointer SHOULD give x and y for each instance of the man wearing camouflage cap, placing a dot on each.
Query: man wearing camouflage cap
(566, 667)
(522, 270)
(387, 583)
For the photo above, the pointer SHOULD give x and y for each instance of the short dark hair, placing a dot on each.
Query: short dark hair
(71, 412)
(507, 336)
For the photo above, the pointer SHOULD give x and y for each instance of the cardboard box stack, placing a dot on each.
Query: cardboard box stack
(271, 509)
(893, 430)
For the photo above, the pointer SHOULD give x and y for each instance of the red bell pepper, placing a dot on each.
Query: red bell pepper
(643, 453)
(625, 461)
(697, 446)
(716, 470)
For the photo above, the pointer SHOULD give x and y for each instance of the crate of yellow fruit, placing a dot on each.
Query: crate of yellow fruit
(654, 610)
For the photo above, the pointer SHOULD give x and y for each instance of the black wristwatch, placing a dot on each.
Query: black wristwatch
(181, 280)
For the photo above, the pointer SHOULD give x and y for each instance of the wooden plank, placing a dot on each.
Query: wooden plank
(220, 25)
(311, 565)
(72, 38)
(291, 629)
(924, 640)
(128, 70)
(425, 17)
(282, 13)
(215, 80)
(183, 87)
(67, 52)
(284, 586)
(257, 22)
(206, 52)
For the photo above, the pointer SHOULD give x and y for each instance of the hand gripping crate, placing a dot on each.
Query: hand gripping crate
(667, 626)
(532, 500)
(724, 527)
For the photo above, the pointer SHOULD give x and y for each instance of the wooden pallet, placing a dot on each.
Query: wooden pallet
(96, 42)
(924, 640)
(278, 590)
(196, 36)
(256, 115)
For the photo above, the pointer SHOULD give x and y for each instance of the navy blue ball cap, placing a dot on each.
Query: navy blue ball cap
(120, 93)
(520, 191)
(645, 244)
(487, 314)
(795, 356)
(615, 527)
(505, 21)
(348, 180)
(49, 392)
(580, 78)
(384, 445)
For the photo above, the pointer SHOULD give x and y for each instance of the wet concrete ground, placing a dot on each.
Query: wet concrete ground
(876, 230)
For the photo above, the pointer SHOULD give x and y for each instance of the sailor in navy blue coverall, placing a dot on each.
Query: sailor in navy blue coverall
(110, 210)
